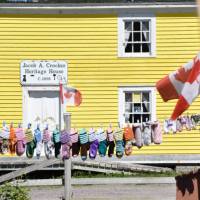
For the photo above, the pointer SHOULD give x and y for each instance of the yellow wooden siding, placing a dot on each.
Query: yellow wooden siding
(89, 44)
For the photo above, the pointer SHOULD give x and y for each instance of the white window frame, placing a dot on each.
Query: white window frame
(121, 34)
(121, 100)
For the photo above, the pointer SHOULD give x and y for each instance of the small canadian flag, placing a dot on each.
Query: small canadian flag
(183, 84)
(70, 96)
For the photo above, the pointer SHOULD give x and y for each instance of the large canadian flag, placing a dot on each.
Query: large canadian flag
(70, 96)
(183, 84)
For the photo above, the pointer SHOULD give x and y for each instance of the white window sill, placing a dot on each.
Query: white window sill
(136, 56)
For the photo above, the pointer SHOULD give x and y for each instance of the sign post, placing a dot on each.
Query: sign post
(67, 163)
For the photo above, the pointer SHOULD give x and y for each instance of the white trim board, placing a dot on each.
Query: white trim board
(106, 9)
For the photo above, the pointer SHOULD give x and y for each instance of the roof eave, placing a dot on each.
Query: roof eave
(106, 8)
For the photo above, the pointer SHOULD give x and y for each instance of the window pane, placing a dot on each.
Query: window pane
(128, 97)
(128, 26)
(145, 36)
(128, 37)
(136, 48)
(137, 108)
(137, 118)
(145, 107)
(145, 25)
(136, 97)
(136, 37)
(136, 26)
(145, 118)
(145, 96)
(128, 118)
(145, 47)
(129, 48)
(128, 107)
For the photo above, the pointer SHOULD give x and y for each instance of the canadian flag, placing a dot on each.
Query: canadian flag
(70, 96)
(183, 84)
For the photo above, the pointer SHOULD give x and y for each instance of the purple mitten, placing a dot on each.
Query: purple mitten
(65, 151)
(66, 144)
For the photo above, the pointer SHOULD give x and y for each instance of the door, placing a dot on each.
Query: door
(43, 108)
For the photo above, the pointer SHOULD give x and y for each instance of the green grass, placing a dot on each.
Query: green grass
(84, 174)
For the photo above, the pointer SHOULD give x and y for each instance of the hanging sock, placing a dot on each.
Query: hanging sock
(75, 142)
(84, 141)
(146, 133)
(118, 135)
(94, 144)
(138, 135)
(65, 144)
(48, 145)
(156, 132)
(21, 141)
(30, 142)
(110, 142)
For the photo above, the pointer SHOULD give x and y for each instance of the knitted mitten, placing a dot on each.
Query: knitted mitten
(102, 142)
(56, 142)
(138, 135)
(12, 141)
(179, 125)
(156, 132)
(118, 135)
(94, 144)
(20, 145)
(165, 126)
(111, 143)
(65, 144)
(147, 134)
(93, 149)
(84, 141)
(119, 148)
(75, 142)
(48, 145)
(30, 143)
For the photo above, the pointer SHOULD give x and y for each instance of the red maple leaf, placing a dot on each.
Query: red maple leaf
(182, 75)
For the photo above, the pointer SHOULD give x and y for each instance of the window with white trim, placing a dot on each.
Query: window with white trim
(136, 104)
(136, 37)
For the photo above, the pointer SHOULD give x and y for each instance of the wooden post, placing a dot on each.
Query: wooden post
(67, 163)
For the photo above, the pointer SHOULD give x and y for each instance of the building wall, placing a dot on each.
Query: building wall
(89, 44)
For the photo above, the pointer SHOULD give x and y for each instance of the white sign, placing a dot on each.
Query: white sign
(42, 72)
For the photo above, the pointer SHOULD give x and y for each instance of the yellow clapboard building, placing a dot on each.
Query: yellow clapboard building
(115, 54)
